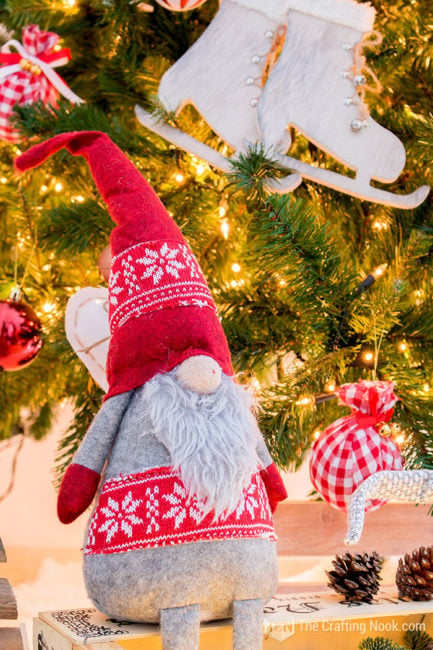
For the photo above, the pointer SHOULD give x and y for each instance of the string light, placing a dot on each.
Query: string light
(58, 187)
(368, 356)
(400, 439)
(180, 178)
(402, 346)
(379, 271)
(236, 267)
(426, 388)
(3, 180)
(48, 307)
(304, 401)
(43, 189)
(222, 211)
(200, 169)
(330, 387)
(46, 267)
(316, 434)
(282, 283)
(77, 199)
(225, 228)
(69, 3)
(379, 225)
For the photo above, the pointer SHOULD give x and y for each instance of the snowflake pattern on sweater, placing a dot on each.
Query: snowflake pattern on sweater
(153, 508)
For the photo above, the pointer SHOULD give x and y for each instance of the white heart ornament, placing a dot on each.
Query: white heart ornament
(88, 331)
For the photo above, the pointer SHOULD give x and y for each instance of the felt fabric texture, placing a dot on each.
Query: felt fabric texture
(180, 628)
(76, 493)
(96, 444)
(274, 486)
(143, 342)
(248, 624)
(135, 586)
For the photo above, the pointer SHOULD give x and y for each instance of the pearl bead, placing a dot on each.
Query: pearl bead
(269, 34)
(347, 46)
(254, 102)
(348, 101)
(359, 80)
(357, 125)
(255, 59)
(250, 81)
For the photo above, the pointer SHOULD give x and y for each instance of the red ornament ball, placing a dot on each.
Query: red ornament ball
(180, 5)
(20, 335)
(352, 448)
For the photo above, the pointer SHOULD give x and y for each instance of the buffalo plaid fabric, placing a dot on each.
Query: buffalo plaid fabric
(351, 449)
(23, 87)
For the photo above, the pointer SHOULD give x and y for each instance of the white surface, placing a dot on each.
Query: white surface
(28, 516)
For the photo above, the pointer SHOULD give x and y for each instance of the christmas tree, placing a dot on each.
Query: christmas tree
(315, 288)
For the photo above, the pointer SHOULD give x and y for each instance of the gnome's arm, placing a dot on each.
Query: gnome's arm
(82, 477)
(271, 477)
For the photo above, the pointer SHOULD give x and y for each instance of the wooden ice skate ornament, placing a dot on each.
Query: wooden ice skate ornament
(313, 87)
(10, 637)
(88, 331)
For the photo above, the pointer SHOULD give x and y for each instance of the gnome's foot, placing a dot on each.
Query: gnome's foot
(248, 624)
(180, 628)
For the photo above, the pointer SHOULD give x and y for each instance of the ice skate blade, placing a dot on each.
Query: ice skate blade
(353, 186)
(197, 148)
(183, 140)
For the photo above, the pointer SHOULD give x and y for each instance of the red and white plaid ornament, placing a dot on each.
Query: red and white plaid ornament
(351, 449)
(27, 75)
(180, 5)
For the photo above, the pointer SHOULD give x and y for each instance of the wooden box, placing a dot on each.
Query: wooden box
(308, 621)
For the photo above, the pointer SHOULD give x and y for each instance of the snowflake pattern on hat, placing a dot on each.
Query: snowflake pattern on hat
(152, 276)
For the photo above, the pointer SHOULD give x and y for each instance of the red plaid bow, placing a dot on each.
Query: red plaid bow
(27, 76)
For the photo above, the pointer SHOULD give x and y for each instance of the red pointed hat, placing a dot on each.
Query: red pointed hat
(161, 310)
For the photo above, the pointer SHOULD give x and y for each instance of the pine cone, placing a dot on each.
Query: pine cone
(414, 575)
(356, 577)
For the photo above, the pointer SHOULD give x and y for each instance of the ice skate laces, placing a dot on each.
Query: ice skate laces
(358, 75)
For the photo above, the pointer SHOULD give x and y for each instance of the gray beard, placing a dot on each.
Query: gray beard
(211, 438)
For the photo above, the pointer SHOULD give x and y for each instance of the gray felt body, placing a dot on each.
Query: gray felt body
(205, 577)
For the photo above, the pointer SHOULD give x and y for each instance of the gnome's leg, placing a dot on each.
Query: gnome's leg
(180, 628)
(248, 624)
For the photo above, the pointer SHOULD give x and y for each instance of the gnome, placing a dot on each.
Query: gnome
(181, 530)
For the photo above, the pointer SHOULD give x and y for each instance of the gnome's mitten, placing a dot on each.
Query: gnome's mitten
(274, 485)
(76, 493)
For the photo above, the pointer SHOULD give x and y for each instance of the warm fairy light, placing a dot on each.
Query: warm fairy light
(400, 439)
(77, 199)
(225, 228)
(44, 189)
(368, 356)
(330, 387)
(380, 270)
(316, 434)
(200, 169)
(379, 225)
(236, 267)
(304, 401)
(3, 180)
(255, 385)
(402, 347)
(180, 178)
(69, 3)
(48, 307)
(58, 187)
(426, 388)
(222, 211)
(46, 267)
